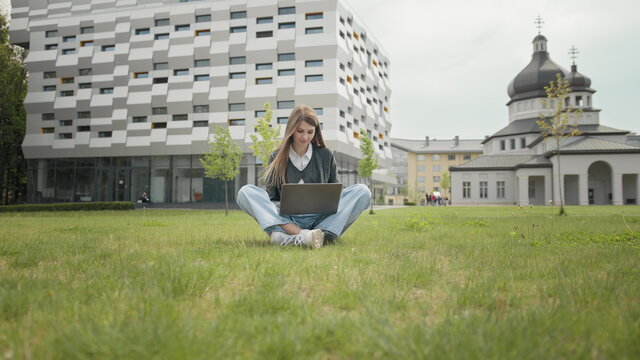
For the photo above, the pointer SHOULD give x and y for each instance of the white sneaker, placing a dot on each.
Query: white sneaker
(310, 238)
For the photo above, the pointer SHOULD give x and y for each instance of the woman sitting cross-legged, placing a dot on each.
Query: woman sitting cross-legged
(302, 158)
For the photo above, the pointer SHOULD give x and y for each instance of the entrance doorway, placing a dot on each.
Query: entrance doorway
(113, 184)
(600, 191)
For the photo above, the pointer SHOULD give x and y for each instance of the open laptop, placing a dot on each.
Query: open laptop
(297, 199)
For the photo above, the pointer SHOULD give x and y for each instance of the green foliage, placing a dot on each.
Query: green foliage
(445, 181)
(559, 125)
(13, 89)
(368, 162)
(222, 162)
(176, 284)
(268, 140)
(82, 206)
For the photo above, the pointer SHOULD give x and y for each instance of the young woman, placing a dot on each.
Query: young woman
(302, 158)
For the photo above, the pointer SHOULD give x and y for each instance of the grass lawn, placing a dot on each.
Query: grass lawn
(421, 282)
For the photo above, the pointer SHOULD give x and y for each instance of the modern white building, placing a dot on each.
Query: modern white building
(519, 166)
(124, 94)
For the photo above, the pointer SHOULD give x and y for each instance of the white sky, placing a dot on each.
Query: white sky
(451, 61)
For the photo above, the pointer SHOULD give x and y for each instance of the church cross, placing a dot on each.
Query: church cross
(539, 23)
(573, 54)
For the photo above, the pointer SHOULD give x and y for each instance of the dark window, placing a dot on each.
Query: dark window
(313, 30)
(236, 122)
(48, 116)
(83, 128)
(105, 134)
(51, 46)
(49, 88)
(286, 72)
(264, 66)
(49, 75)
(106, 91)
(51, 33)
(65, 122)
(237, 75)
(160, 80)
(283, 120)
(66, 93)
(201, 77)
(84, 114)
(313, 63)
(159, 111)
(160, 66)
(86, 30)
(264, 20)
(182, 27)
(313, 78)
(203, 18)
(286, 57)
(85, 71)
(264, 34)
(162, 22)
(200, 123)
(236, 107)
(287, 25)
(287, 10)
(143, 31)
(200, 108)
(235, 60)
(180, 117)
(161, 36)
(314, 16)
(202, 63)
(65, 136)
(159, 125)
(68, 39)
(181, 72)
(238, 29)
(68, 51)
(287, 104)
(238, 14)
(139, 119)
(264, 81)
(108, 47)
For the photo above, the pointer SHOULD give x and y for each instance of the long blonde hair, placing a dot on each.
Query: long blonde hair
(275, 173)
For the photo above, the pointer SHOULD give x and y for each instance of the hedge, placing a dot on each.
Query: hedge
(116, 205)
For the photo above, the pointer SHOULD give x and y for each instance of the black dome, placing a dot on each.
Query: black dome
(530, 82)
(577, 81)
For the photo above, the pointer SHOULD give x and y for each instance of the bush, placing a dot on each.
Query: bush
(410, 203)
(116, 205)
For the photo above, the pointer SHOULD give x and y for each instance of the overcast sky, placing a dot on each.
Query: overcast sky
(451, 61)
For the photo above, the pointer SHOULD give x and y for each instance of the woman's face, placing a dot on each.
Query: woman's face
(303, 135)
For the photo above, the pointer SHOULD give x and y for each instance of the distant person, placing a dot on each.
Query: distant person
(144, 198)
(302, 157)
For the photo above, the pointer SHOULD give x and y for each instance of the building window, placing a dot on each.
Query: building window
(182, 27)
(161, 66)
(264, 34)
(313, 16)
(286, 72)
(203, 32)
(421, 179)
(484, 189)
(200, 123)
(50, 33)
(201, 77)
(162, 22)
(236, 107)
(264, 81)
(236, 122)
(83, 128)
(237, 75)
(435, 157)
(49, 75)
(436, 168)
(159, 110)
(420, 157)
(68, 51)
(203, 18)
(283, 120)
(104, 91)
(319, 111)
(313, 78)
(161, 80)
(264, 66)
(503, 145)
(500, 189)
(202, 63)
(86, 43)
(238, 29)
(237, 60)
(288, 104)
(105, 134)
(179, 117)
(238, 15)
(264, 20)
(141, 75)
(287, 10)
(48, 116)
(47, 130)
(313, 63)
(51, 46)
(161, 36)
(84, 72)
(287, 25)
(68, 39)
(108, 47)
(62, 136)
(341, 113)
(512, 144)
(65, 122)
(466, 189)
(200, 109)
(66, 93)
(532, 189)
(313, 30)
(66, 80)
(286, 57)
(451, 157)
(139, 119)
(466, 157)
(143, 31)
(159, 125)
(523, 143)
(84, 114)
(86, 30)
(180, 72)
(260, 113)
(84, 85)
(420, 168)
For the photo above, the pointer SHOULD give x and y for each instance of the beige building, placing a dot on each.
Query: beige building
(420, 164)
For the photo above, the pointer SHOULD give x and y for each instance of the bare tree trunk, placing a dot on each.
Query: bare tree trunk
(226, 202)
(562, 212)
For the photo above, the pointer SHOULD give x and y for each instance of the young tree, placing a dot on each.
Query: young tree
(445, 182)
(369, 161)
(561, 124)
(13, 89)
(268, 141)
(223, 160)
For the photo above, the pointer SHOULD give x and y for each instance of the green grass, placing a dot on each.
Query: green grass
(419, 282)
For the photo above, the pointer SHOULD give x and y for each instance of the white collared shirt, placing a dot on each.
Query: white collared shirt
(300, 162)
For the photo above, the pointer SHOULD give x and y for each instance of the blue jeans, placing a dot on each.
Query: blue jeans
(353, 201)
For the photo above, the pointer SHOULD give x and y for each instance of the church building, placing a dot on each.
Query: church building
(600, 166)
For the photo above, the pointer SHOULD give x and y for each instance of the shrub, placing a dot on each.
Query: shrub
(410, 203)
(115, 205)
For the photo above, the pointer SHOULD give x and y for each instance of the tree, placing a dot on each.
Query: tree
(561, 124)
(445, 182)
(13, 89)
(223, 160)
(369, 161)
(268, 141)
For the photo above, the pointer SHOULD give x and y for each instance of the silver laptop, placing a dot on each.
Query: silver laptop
(297, 199)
